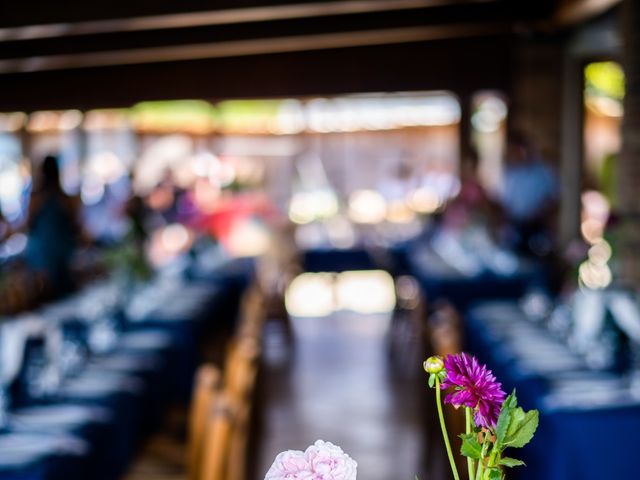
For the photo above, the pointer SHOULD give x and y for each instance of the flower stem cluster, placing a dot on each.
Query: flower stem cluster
(493, 422)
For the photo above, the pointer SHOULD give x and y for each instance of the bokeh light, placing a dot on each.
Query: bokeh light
(367, 206)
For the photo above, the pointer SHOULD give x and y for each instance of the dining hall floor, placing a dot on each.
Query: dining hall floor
(339, 380)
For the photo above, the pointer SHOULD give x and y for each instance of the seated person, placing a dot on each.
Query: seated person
(529, 195)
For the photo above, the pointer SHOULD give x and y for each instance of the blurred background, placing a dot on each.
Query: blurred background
(228, 229)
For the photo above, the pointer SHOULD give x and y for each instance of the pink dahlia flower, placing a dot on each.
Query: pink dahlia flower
(321, 461)
(474, 386)
(289, 465)
(328, 462)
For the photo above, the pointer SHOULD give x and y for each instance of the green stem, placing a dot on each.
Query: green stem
(485, 445)
(470, 463)
(495, 455)
(492, 458)
(445, 435)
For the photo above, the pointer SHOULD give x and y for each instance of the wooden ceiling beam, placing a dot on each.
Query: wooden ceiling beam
(572, 12)
(243, 48)
(459, 65)
(222, 17)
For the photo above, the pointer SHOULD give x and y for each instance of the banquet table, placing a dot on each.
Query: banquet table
(441, 281)
(588, 417)
(94, 425)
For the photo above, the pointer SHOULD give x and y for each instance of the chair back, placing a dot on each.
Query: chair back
(226, 436)
(239, 441)
(207, 384)
(445, 330)
(252, 313)
(217, 439)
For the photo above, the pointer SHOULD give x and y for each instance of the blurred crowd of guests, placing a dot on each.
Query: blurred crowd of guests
(521, 216)
(60, 241)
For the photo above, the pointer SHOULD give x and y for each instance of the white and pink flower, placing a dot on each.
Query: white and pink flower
(321, 461)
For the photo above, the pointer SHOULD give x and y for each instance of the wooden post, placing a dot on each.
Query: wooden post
(629, 165)
(465, 124)
(571, 152)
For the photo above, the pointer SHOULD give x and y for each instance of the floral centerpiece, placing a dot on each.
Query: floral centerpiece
(494, 422)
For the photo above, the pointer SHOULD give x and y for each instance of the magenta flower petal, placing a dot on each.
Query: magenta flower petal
(474, 386)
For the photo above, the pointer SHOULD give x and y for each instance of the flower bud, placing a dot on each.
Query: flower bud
(433, 365)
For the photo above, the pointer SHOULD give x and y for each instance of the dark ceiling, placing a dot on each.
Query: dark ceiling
(109, 53)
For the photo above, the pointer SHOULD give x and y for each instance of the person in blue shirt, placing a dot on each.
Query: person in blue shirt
(53, 229)
(529, 195)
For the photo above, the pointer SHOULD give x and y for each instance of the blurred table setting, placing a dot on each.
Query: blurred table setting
(84, 379)
(463, 268)
(576, 361)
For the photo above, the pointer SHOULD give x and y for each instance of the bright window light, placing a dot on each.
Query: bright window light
(321, 294)
(369, 291)
(311, 295)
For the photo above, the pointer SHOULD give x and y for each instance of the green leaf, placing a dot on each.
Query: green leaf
(512, 400)
(511, 462)
(493, 473)
(521, 428)
(505, 417)
(432, 380)
(517, 417)
(470, 446)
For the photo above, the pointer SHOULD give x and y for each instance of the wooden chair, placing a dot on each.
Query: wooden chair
(217, 439)
(207, 385)
(252, 313)
(239, 441)
(223, 454)
(241, 368)
(239, 387)
(445, 330)
(239, 382)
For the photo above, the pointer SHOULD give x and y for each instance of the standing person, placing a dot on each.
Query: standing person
(472, 204)
(472, 194)
(529, 195)
(53, 229)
